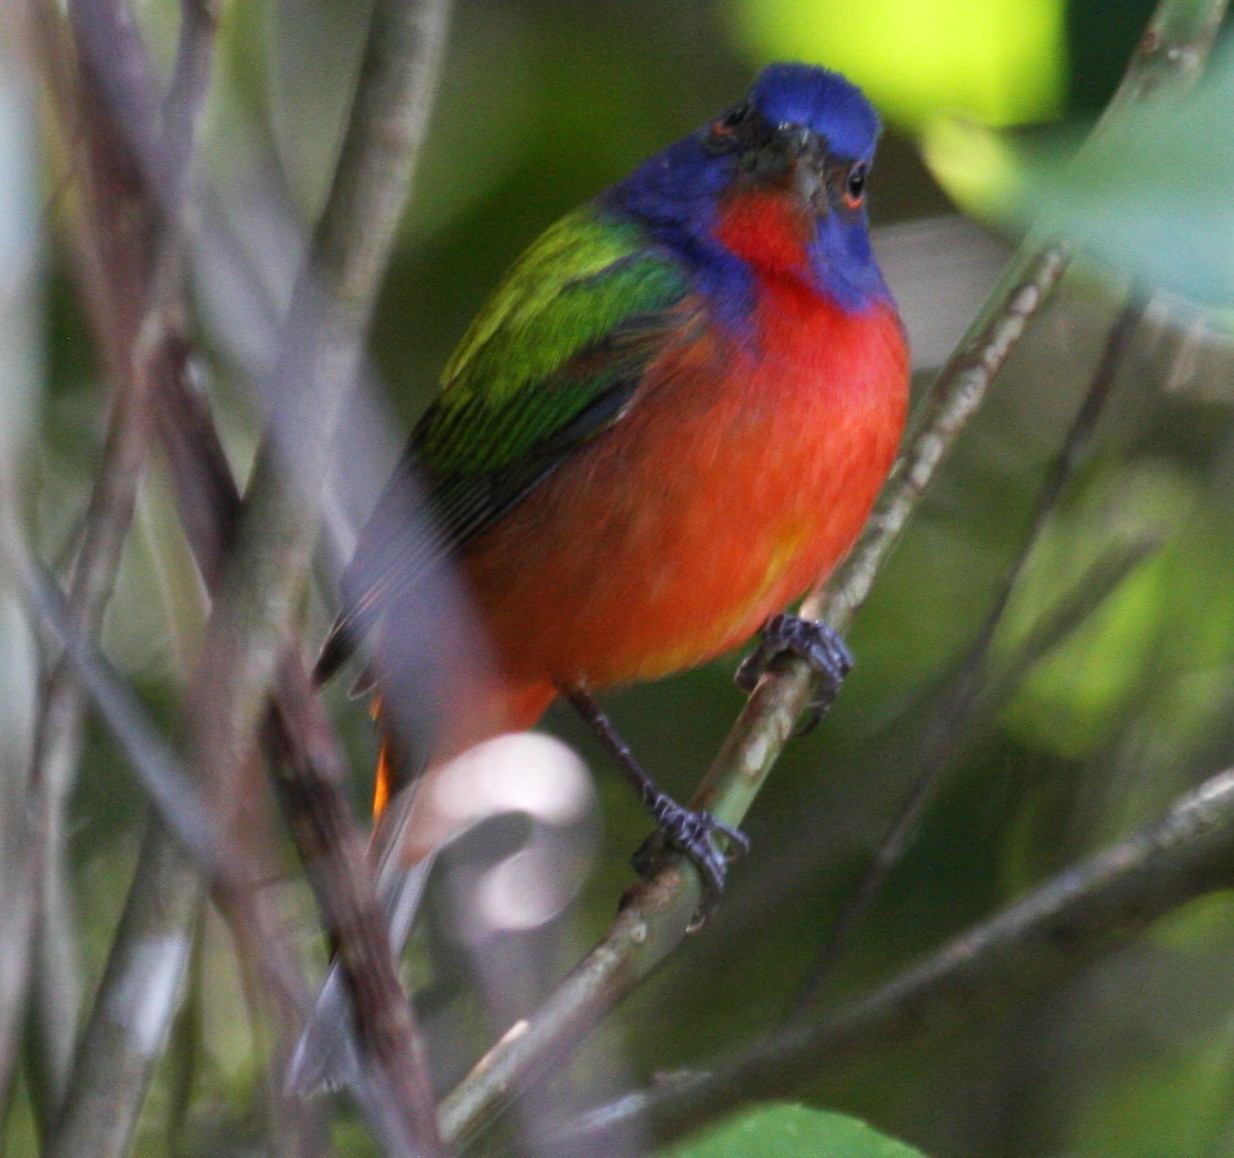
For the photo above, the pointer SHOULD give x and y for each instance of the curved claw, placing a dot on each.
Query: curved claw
(693, 835)
(817, 643)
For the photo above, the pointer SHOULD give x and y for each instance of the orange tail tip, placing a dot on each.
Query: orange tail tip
(505, 709)
(381, 780)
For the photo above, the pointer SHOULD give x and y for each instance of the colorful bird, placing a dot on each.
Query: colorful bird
(670, 420)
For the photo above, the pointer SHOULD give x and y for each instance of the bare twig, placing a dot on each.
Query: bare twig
(260, 591)
(179, 801)
(1079, 915)
(21, 350)
(128, 1023)
(657, 912)
(307, 767)
(138, 997)
(1067, 615)
(127, 205)
(947, 726)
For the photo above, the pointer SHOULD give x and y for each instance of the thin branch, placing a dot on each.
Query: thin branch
(658, 912)
(128, 1023)
(136, 258)
(947, 726)
(263, 582)
(1081, 914)
(130, 225)
(179, 801)
(1067, 615)
(21, 355)
(138, 998)
(304, 760)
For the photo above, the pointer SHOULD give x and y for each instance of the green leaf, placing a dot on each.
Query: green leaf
(1147, 196)
(781, 1131)
(1001, 61)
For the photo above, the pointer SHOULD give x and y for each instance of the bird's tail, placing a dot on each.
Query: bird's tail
(409, 828)
(325, 1055)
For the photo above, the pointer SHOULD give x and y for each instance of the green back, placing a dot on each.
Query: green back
(553, 358)
(586, 284)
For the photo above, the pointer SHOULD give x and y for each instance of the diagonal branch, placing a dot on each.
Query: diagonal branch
(263, 582)
(945, 730)
(304, 760)
(132, 174)
(1074, 918)
(658, 912)
(356, 236)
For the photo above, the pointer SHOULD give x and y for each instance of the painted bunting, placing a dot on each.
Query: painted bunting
(670, 419)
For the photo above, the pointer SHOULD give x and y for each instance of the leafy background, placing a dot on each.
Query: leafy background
(543, 103)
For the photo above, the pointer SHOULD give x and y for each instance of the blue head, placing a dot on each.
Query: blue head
(802, 131)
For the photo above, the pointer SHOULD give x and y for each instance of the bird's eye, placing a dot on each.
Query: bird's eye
(730, 122)
(855, 186)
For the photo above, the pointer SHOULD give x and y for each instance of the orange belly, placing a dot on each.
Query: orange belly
(739, 478)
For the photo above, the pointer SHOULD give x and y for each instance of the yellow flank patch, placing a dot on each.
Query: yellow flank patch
(783, 551)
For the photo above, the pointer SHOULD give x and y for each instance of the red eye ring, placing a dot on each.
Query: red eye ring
(855, 186)
(728, 123)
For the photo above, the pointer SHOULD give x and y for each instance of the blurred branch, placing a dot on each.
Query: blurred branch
(132, 176)
(178, 800)
(319, 352)
(657, 912)
(947, 727)
(137, 1000)
(968, 698)
(134, 183)
(1067, 615)
(22, 353)
(263, 581)
(1085, 912)
(210, 506)
(131, 1014)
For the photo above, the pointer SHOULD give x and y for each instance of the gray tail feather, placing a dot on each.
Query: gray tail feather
(325, 1056)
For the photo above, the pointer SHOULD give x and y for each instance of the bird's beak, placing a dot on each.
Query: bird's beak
(802, 152)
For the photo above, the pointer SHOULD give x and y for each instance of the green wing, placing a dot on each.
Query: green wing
(589, 286)
(554, 357)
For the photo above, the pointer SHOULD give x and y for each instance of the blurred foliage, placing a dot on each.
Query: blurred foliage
(1149, 198)
(1000, 61)
(543, 103)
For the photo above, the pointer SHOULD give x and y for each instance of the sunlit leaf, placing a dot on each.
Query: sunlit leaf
(1001, 61)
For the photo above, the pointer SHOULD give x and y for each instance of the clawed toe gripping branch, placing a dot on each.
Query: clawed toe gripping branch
(691, 833)
(822, 649)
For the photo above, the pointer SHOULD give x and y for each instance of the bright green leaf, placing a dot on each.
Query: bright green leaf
(1000, 61)
(783, 1131)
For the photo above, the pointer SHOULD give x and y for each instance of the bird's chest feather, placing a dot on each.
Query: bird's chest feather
(742, 472)
(766, 455)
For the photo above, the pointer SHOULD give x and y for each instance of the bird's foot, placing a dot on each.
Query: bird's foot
(693, 834)
(819, 645)
(678, 829)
